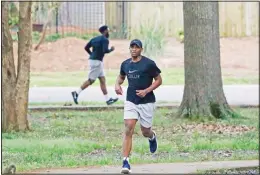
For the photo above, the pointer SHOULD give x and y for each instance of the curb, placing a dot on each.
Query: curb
(112, 107)
(240, 168)
(226, 165)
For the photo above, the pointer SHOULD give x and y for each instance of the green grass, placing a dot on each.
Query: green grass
(76, 138)
(174, 76)
(85, 103)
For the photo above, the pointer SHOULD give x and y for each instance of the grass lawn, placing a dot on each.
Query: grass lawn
(174, 76)
(76, 138)
(86, 103)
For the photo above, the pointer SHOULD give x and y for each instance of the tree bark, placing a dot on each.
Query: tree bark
(8, 74)
(16, 87)
(24, 59)
(203, 91)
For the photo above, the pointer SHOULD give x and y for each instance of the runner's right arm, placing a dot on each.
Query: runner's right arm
(120, 80)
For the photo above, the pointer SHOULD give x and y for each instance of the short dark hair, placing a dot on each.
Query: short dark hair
(103, 28)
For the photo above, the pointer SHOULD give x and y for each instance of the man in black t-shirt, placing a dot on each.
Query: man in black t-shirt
(140, 101)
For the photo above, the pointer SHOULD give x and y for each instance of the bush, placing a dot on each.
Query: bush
(88, 36)
(15, 37)
(181, 35)
(119, 34)
(35, 36)
(73, 34)
(152, 34)
(53, 37)
(13, 21)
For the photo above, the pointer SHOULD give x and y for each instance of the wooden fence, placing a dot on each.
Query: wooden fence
(236, 19)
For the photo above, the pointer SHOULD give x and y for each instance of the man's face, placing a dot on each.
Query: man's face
(135, 50)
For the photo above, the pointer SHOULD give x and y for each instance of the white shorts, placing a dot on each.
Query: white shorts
(142, 112)
(95, 69)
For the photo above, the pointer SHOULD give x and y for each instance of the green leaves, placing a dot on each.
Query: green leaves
(152, 34)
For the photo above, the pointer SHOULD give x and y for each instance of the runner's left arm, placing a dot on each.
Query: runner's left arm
(105, 45)
(155, 72)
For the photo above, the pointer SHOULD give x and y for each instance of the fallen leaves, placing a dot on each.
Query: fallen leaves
(212, 128)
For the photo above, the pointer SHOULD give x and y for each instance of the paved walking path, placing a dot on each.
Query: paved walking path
(158, 168)
(236, 94)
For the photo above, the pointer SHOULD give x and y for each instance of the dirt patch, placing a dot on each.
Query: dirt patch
(68, 54)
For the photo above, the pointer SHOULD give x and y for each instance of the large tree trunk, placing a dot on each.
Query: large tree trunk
(16, 87)
(203, 92)
(8, 74)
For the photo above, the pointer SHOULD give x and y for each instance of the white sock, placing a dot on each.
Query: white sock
(152, 137)
(106, 97)
(78, 92)
(126, 158)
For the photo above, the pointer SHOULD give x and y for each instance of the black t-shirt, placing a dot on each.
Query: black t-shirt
(99, 46)
(140, 76)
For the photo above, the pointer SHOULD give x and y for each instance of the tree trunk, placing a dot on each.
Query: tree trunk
(16, 87)
(203, 91)
(24, 59)
(8, 74)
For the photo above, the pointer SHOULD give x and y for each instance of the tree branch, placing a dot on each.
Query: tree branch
(7, 44)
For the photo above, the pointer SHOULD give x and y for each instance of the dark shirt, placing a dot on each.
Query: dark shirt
(140, 76)
(99, 46)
